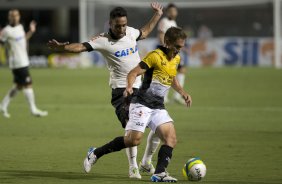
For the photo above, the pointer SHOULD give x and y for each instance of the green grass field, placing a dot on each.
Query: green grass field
(234, 125)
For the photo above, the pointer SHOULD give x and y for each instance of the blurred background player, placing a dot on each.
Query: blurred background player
(165, 23)
(119, 47)
(15, 40)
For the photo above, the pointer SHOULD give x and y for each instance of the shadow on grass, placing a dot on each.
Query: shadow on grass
(23, 174)
(99, 177)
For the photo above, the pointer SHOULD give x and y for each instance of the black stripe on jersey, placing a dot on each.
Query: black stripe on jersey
(144, 65)
(164, 49)
(143, 96)
(140, 34)
(148, 76)
(88, 46)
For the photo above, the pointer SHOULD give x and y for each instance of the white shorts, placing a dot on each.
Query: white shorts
(141, 116)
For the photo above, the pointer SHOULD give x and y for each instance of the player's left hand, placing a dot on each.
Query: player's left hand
(157, 7)
(127, 92)
(32, 26)
(188, 99)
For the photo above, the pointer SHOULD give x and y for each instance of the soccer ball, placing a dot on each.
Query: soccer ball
(194, 169)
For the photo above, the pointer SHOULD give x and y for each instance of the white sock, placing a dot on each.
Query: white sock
(153, 142)
(6, 100)
(132, 156)
(181, 79)
(29, 94)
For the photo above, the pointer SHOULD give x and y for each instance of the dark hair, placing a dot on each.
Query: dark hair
(170, 5)
(174, 33)
(118, 12)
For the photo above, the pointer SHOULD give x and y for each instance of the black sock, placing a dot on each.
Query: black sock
(164, 156)
(115, 145)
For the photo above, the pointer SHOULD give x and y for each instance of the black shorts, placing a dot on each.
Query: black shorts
(22, 76)
(180, 66)
(121, 104)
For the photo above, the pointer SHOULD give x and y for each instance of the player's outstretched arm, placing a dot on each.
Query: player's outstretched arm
(177, 87)
(131, 77)
(32, 29)
(66, 46)
(147, 29)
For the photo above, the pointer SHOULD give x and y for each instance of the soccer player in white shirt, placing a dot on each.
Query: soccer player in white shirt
(147, 108)
(15, 40)
(165, 23)
(119, 47)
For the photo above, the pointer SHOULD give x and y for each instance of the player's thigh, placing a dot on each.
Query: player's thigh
(167, 134)
(159, 117)
(117, 101)
(22, 77)
(121, 105)
(162, 124)
(139, 117)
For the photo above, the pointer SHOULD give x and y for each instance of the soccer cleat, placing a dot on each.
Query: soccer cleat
(147, 168)
(89, 160)
(39, 113)
(163, 177)
(4, 112)
(134, 173)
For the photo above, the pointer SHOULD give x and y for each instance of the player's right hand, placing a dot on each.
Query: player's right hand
(127, 92)
(55, 45)
(157, 7)
(188, 99)
(32, 26)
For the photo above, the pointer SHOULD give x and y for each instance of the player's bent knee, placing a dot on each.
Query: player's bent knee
(171, 141)
(132, 141)
(136, 142)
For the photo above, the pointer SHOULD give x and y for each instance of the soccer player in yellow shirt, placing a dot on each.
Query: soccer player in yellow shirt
(147, 107)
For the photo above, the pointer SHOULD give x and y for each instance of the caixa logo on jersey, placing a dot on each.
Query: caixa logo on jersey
(126, 52)
(19, 38)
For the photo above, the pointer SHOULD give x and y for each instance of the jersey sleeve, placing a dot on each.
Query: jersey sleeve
(135, 33)
(151, 60)
(94, 44)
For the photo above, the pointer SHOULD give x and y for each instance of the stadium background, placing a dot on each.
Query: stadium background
(234, 124)
(241, 32)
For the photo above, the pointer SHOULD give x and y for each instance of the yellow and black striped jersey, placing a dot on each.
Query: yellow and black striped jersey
(157, 79)
(163, 69)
